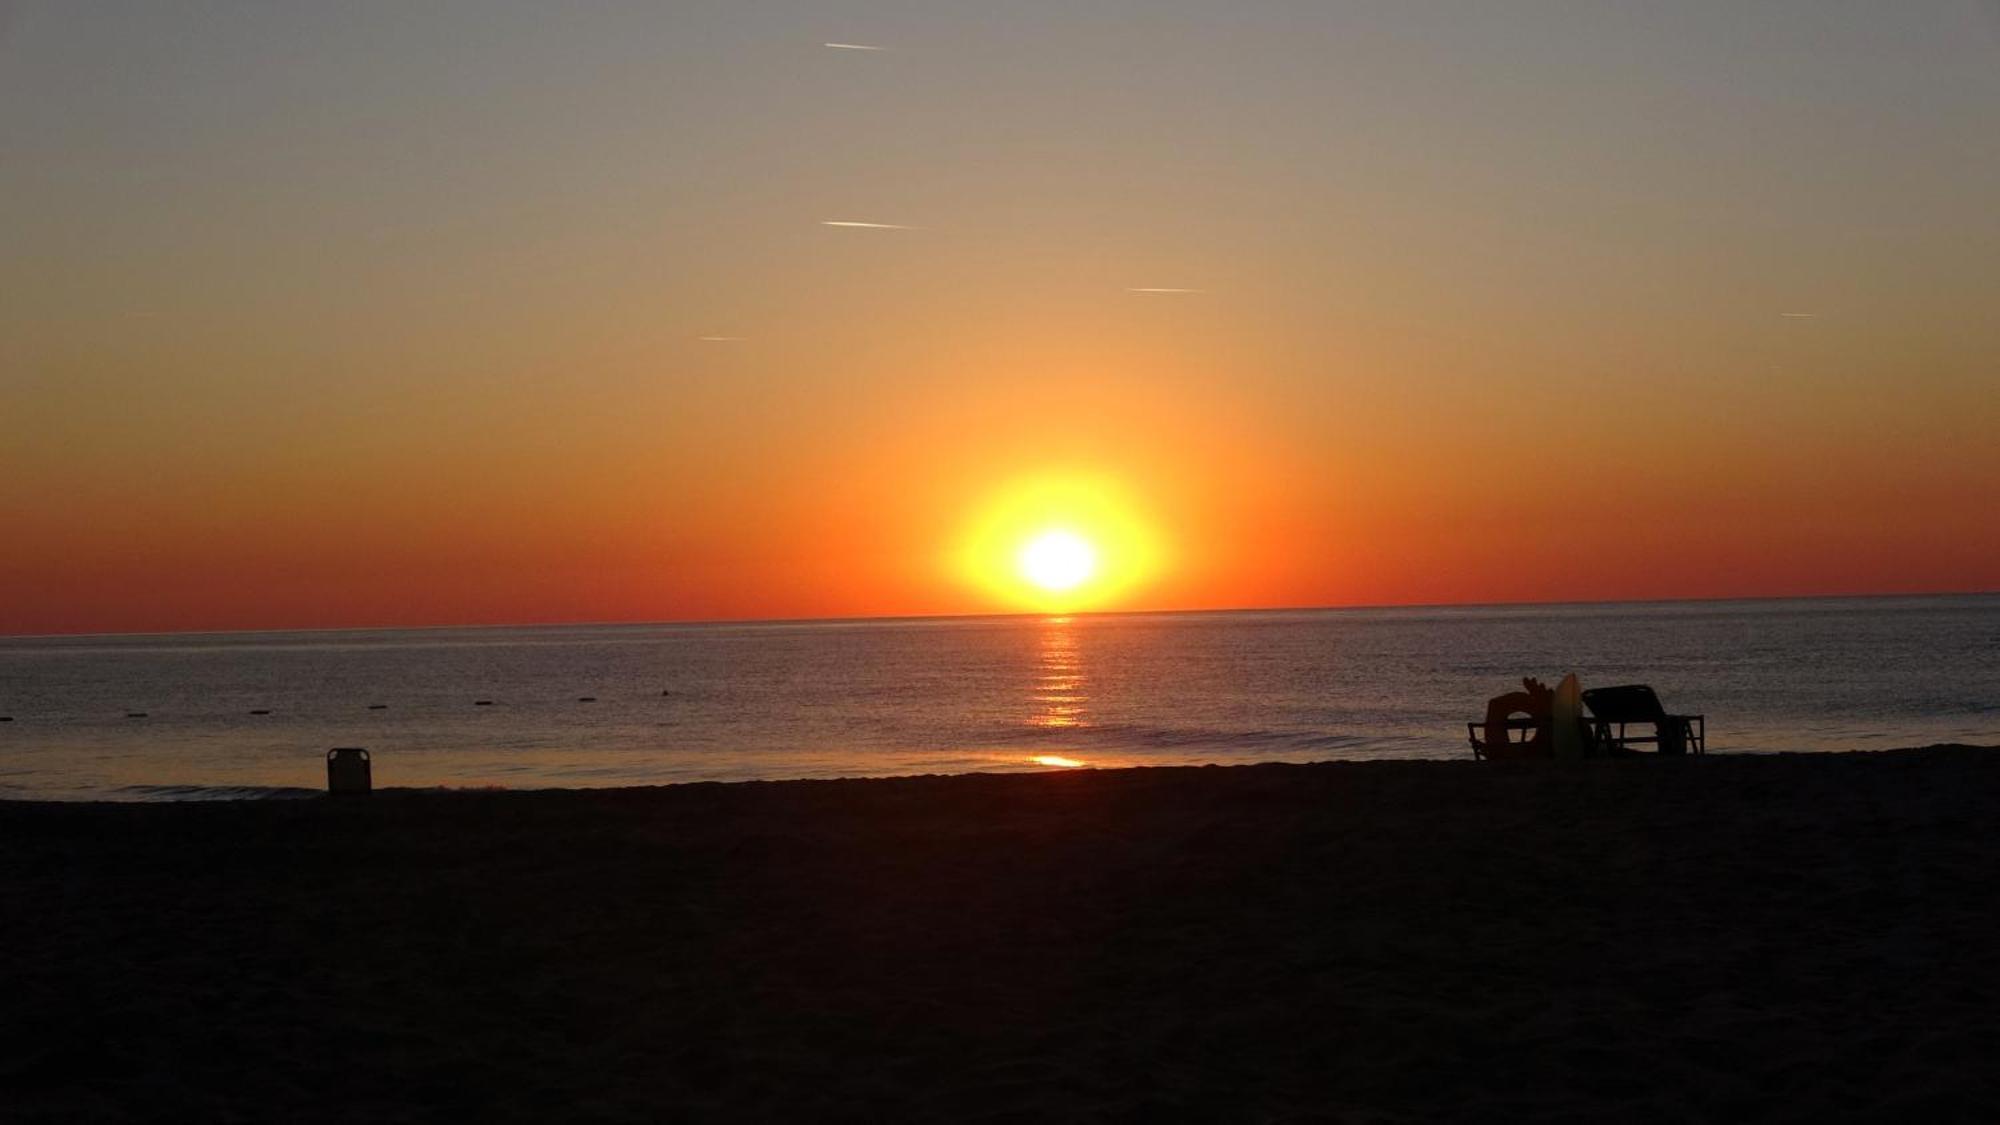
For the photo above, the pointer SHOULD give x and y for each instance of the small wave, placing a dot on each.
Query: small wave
(1143, 737)
(209, 793)
(1343, 741)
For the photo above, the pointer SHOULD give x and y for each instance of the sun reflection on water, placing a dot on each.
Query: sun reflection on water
(1056, 694)
(1058, 691)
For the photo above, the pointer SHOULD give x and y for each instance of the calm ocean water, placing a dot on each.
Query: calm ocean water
(835, 699)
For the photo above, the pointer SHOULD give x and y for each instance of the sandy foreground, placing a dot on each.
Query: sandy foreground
(1795, 937)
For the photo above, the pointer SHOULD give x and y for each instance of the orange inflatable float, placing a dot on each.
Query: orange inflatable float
(1534, 702)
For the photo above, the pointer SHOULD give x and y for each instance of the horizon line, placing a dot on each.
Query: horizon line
(999, 615)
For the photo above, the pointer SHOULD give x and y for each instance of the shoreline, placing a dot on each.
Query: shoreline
(1744, 937)
(260, 794)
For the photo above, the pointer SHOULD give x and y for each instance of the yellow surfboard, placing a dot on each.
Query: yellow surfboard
(1566, 720)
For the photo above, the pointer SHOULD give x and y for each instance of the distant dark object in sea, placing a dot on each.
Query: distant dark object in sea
(260, 711)
(482, 703)
(378, 706)
(135, 714)
(586, 699)
(6, 718)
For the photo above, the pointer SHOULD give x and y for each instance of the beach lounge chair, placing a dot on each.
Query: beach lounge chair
(1614, 709)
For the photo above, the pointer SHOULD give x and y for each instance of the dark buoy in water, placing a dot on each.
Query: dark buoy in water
(348, 770)
(666, 693)
(378, 706)
(482, 703)
(586, 699)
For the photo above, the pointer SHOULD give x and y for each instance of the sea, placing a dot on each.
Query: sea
(252, 715)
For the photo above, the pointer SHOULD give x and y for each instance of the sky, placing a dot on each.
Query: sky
(318, 315)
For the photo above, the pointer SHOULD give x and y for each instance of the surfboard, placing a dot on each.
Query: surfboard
(1566, 719)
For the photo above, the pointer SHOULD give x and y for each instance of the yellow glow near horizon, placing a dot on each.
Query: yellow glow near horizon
(1060, 543)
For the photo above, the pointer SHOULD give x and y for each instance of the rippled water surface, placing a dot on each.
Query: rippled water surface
(824, 699)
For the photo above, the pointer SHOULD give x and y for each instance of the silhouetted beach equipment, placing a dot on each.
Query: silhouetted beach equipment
(348, 770)
(1517, 724)
(1618, 707)
(1541, 723)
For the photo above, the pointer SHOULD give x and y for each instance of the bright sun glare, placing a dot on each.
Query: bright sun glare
(1058, 560)
(1058, 543)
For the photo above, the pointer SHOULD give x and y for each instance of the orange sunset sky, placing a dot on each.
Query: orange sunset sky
(379, 314)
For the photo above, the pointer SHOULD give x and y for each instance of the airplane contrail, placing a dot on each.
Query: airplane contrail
(1800, 316)
(1159, 289)
(854, 46)
(721, 339)
(863, 226)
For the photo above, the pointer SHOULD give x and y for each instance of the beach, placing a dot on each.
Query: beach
(1756, 937)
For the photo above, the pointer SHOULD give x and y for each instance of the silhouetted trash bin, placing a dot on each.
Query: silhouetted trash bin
(347, 770)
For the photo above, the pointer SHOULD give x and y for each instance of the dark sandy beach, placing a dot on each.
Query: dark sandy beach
(1794, 937)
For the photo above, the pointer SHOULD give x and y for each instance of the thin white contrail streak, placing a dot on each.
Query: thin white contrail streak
(1156, 289)
(1800, 316)
(721, 339)
(854, 46)
(864, 226)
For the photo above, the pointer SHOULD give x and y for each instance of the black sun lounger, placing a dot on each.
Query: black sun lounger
(1613, 709)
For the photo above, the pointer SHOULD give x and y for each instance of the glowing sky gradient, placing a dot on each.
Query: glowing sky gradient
(371, 313)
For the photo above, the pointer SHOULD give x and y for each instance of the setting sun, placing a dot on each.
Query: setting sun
(1058, 560)
(1059, 543)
